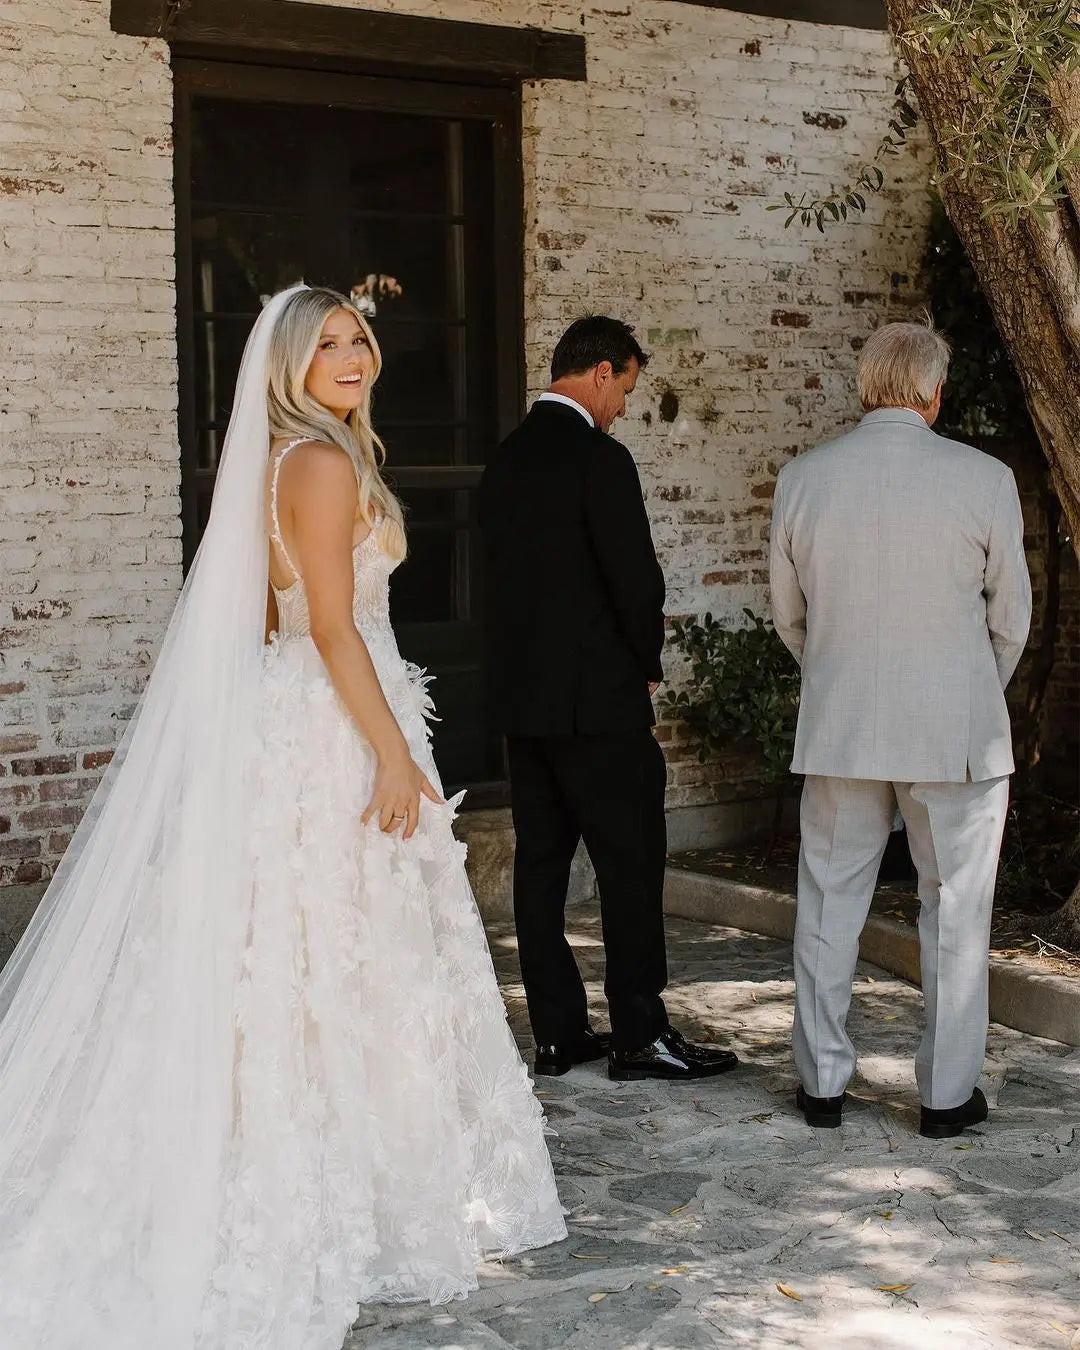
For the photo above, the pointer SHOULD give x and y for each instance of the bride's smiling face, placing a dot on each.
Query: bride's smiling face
(341, 369)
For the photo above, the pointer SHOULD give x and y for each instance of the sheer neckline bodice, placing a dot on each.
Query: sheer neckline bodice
(367, 547)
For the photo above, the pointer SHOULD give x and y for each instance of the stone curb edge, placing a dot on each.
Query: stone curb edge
(1039, 1004)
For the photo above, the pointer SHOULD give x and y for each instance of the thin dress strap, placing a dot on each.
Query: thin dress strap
(275, 533)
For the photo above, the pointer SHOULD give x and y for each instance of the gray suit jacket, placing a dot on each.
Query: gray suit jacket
(900, 585)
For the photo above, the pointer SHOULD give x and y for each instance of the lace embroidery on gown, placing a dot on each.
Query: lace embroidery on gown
(385, 1136)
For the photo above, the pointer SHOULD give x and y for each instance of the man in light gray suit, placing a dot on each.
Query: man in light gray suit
(900, 585)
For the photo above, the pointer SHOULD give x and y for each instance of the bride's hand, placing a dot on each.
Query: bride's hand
(395, 799)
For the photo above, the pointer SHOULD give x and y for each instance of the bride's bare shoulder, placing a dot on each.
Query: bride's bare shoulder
(316, 467)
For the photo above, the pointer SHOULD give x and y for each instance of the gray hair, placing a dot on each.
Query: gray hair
(901, 365)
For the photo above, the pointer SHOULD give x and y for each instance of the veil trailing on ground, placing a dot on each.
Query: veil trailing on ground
(116, 1017)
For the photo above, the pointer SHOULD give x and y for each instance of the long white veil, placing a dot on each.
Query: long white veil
(117, 1030)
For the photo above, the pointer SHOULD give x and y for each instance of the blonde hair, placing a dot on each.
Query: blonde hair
(901, 365)
(293, 412)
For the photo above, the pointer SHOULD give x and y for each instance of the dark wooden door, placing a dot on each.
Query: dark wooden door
(331, 178)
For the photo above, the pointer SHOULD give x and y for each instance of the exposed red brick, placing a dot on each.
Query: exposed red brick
(29, 872)
(18, 743)
(554, 240)
(66, 789)
(40, 768)
(43, 817)
(763, 489)
(17, 794)
(41, 609)
(723, 578)
(15, 687)
(785, 318)
(97, 759)
(19, 187)
(20, 848)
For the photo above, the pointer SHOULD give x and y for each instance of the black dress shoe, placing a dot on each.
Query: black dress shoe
(554, 1060)
(669, 1056)
(946, 1124)
(823, 1113)
(702, 1054)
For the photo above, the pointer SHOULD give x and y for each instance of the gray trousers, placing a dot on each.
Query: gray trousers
(954, 832)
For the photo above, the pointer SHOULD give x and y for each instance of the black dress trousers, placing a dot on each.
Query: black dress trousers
(575, 620)
(607, 789)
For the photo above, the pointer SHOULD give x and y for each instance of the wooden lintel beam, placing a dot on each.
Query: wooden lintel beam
(846, 13)
(357, 35)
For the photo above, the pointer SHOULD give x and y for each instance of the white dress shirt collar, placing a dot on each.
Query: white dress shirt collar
(549, 397)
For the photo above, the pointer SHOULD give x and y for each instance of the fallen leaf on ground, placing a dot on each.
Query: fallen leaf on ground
(678, 1209)
(892, 1017)
(1054, 1233)
(963, 1147)
(1037, 1236)
(1002, 1261)
(674, 1270)
(654, 1286)
(887, 1214)
(598, 1297)
(583, 1256)
(541, 1094)
(891, 1288)
(789, 1293)
(870, 979)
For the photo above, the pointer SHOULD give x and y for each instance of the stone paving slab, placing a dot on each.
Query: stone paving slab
(689, 1206)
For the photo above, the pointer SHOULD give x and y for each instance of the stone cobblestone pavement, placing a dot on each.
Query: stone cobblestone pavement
(708, 1215)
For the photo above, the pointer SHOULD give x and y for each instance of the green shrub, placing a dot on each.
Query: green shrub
(744, 687)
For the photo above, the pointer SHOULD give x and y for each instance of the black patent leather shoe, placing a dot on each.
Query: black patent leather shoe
(553, 1061)
(822, 1113)
(703, 1054)
(946, 1124)
(669, 1056)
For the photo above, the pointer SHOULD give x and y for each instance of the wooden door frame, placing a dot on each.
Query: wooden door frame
(501, 106)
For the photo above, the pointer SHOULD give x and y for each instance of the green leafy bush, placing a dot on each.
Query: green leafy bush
(744, 687)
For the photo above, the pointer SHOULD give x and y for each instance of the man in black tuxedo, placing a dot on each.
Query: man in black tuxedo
(576, 615)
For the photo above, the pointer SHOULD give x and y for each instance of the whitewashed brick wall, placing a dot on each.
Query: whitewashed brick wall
(645, 196)
(89, 534)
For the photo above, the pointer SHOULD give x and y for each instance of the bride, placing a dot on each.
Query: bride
(254, 1065)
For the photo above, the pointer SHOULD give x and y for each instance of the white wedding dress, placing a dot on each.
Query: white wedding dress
(382, 1135)
(375, 1051)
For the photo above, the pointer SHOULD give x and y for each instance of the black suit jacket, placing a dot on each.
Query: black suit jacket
(575, 593)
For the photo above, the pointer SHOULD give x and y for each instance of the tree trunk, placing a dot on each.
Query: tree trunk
(1064, 928)
(1029, 273)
